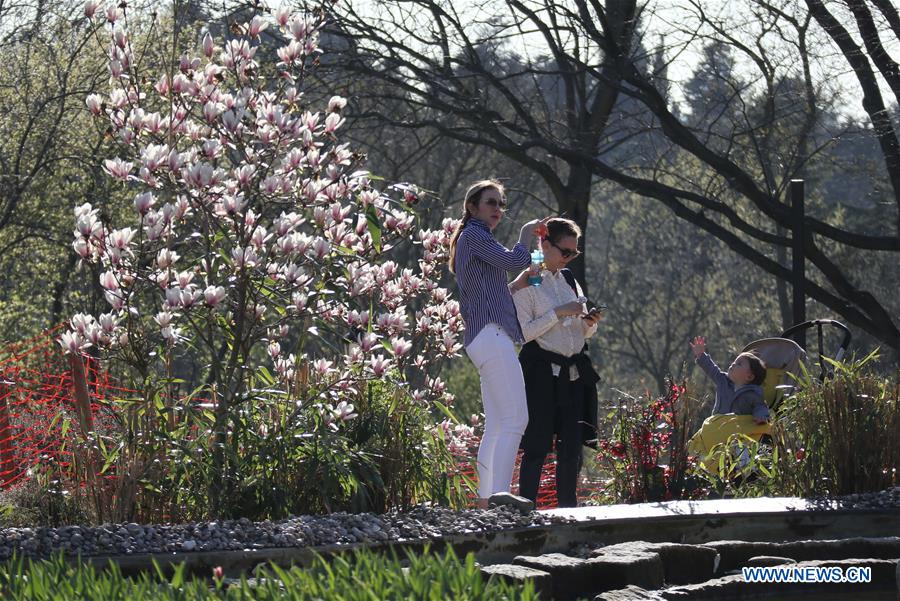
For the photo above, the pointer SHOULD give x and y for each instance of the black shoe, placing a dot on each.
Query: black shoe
(505, 498)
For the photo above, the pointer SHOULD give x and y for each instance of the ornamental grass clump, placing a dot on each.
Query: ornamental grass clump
(251, 301)
(841, 435)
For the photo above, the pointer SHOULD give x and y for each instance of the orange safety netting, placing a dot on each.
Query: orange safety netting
(546, 497)
(37, 407)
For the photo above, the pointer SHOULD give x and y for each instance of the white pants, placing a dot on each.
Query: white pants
(505, 407)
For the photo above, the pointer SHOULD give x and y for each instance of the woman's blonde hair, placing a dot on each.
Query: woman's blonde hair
(473, 196)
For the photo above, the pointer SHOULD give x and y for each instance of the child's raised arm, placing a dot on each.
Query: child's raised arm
(698, 346)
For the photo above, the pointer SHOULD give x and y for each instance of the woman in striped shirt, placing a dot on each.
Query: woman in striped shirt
(481, 265)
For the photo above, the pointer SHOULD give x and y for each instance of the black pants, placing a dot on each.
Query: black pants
(549, 416)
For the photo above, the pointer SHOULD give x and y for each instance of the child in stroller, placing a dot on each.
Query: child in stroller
(739, 390)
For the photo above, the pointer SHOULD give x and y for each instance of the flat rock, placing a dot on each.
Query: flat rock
(629, 593)
(682, 564)
(763, 561)
(571, 577)
(735, 587)
(626, 568)
(519, 575)
(734, 554)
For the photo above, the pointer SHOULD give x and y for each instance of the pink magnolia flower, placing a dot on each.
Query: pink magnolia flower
(87, 223)
(320, 248)
(163, 319)
(108, 323)
(354, 355)
(244, 174)
(368, 341)
(333, 122)
(116, 70)
(271, 184)
(115, 299)
(211, 148)
(336, 103)
(299, 301)
(109, 281)
(165, 258)
(284, 367)
(344, 411)
(113, 13)
(326, 411)
(282, 15)
(292, 272)
(94, 103)
(82, 248)
(323, 367)
(300, 27)
(119, 36)
(260, 237)
(73, 343)
(213, 295)
(162, 85)
(257, 25)
(208, 46)
(400, 346)
(379, 365)
(244, 257)
(90, 8)
(290, 53)
(118, 168)
(187, 63)
(184, 278)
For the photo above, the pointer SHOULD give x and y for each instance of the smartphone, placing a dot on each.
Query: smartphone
(595, 309)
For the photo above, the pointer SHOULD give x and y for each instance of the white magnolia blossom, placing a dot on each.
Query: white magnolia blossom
(251, 218)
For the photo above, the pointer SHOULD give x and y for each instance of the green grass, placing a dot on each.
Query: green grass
(360, 576)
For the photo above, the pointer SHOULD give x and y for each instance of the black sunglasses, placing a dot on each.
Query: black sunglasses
(493, 202)
(567, 253)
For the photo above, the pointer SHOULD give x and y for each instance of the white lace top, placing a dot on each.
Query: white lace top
(535, 307)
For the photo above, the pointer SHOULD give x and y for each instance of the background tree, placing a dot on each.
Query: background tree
(463, 74)
(460, 65)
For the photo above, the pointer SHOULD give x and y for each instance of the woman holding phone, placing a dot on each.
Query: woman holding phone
(558, 373)
(481, 265)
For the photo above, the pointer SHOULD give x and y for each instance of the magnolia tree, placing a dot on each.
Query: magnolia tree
(258, 245)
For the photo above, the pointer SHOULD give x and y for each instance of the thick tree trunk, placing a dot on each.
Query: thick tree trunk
(574, 205)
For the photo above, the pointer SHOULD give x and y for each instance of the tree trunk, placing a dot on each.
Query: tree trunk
(574, 205)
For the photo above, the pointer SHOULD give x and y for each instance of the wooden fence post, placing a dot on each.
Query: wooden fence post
(81, 395)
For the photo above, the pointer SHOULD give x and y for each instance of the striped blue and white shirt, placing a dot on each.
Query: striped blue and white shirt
(482, 264)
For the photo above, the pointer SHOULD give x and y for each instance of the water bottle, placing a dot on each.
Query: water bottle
(534, 277)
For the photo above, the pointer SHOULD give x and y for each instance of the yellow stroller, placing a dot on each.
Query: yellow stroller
(782, 357)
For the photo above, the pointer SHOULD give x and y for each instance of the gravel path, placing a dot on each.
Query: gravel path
(236, 535)
(340, 528)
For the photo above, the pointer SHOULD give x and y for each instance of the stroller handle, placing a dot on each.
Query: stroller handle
(818, 323)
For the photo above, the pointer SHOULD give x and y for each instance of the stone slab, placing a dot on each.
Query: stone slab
(735, 554)
(629, 593)
(735, 587)
(519, 575)
(621, 569)
(682, 564)
(765, 561)
(575, 577)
